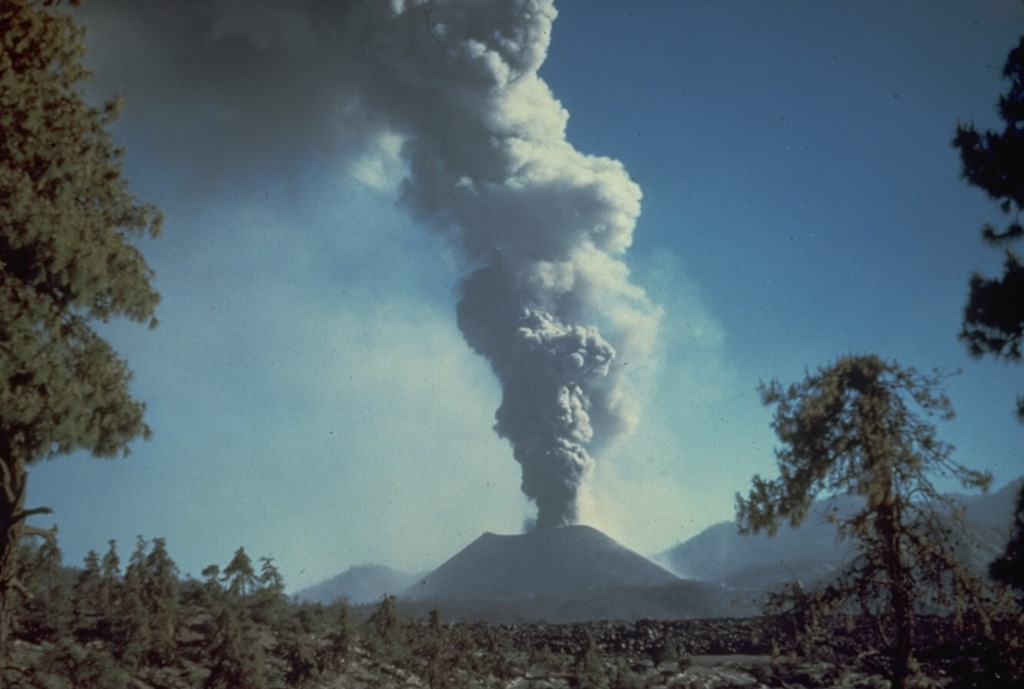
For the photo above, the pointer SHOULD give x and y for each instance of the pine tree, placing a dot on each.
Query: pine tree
(54, 593)
(385, 632)
(99, 593)
(211, 591)
(130, 628)
(237, 659)
(588, 670)
(269, 604)
(110, 578)
(339, 635)
(66, 260)
(240, 575)
(86, 590)
(994, 161)
(859, 427)
(160, 587)
(46, 609)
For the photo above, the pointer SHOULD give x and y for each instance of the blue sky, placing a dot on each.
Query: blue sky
(311, 395)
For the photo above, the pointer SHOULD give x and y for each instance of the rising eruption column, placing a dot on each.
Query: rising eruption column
(542, 227)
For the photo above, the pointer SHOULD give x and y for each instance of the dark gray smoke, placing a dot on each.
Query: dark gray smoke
(490, 168)
(541, 227)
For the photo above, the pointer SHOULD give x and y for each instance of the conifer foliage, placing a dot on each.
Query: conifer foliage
(994, 161)
(861, 427)
(67, 221)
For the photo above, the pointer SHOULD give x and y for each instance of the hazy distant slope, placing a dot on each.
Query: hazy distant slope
(721, 554)
(995, 508)
(361, 584)
(569, 560)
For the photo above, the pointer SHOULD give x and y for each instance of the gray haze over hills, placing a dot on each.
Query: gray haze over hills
(811, 551)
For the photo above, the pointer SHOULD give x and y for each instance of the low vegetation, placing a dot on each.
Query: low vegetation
(106, 626)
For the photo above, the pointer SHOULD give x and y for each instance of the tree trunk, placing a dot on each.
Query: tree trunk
(12, 514)
(889, 527)
(903, 649)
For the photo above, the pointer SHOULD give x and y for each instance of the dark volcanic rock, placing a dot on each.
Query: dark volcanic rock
(569, 560)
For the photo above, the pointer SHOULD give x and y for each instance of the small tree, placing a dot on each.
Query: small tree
(66, 219)
(339, 635)
(130, 628)
(237, 658)
(385, 632)
(269, 603)
(86, 586)
(160, 598)
(588, 671)
(46, 609)
(859, 427)
(240, 575)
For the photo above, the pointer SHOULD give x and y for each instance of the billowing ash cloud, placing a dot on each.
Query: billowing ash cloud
(541, 227)
(491, 169)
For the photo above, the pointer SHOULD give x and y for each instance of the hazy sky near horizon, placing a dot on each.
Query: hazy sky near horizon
(311, 396)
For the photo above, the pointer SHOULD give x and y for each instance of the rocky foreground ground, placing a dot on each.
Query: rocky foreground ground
(689, 654)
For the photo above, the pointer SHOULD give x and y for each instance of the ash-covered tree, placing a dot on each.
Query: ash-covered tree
(994, 161)
(67, 219)
(861, 427)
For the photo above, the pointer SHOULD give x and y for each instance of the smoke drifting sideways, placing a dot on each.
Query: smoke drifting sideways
(541, 229)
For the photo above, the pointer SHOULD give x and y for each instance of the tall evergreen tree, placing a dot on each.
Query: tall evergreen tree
(860, 427)
(237, 659)
(994, 316)
(86, 587)
(130, 626)
(240, 575)
(67, 220)
(160, 598)
(45, 612)
(994, 161)
(110, 577)
(269, 604)
(339, 636)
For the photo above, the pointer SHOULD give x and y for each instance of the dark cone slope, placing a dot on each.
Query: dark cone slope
(563, 561)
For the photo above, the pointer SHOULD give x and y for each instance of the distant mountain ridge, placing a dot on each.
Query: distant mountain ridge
(577, 573)
(811, 551)
(360, 584)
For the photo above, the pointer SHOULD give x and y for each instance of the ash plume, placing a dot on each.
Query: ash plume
(491, 169)
(540, 227)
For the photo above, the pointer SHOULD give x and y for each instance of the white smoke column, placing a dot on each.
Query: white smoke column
(541, 226)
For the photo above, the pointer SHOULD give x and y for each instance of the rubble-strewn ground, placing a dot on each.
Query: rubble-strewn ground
(686, 654)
